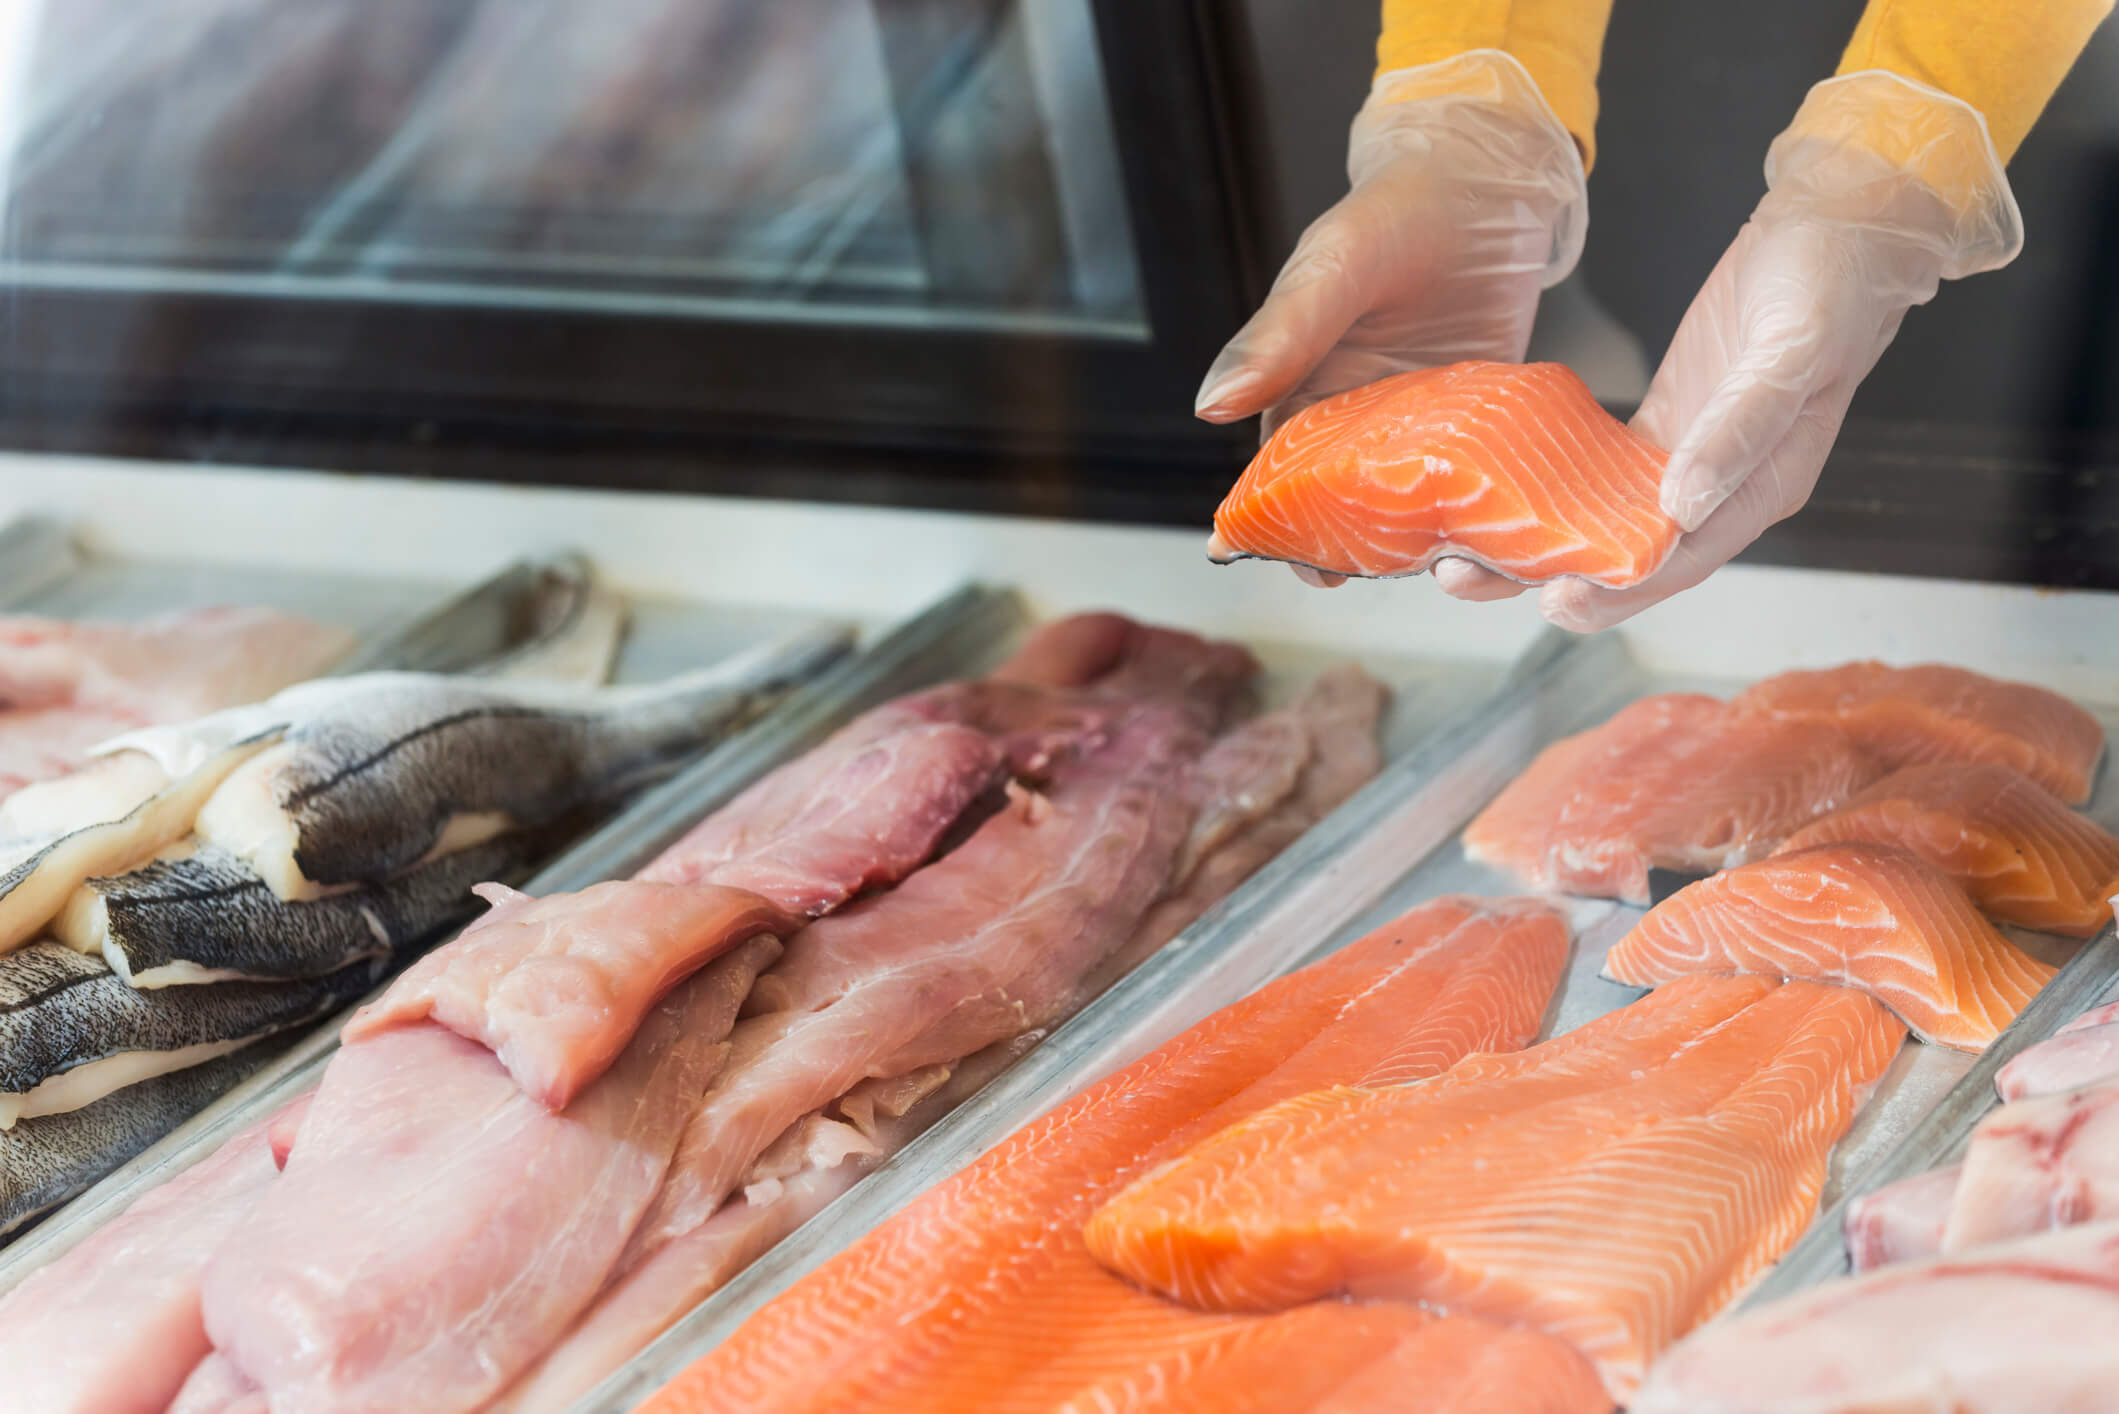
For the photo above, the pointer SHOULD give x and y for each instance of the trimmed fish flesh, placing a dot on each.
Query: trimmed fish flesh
(796, 1178)
(1614, 1187)
(556, 986)
(1900, 1222)
(2024, 857)
(44, 1162)
(203, 917)
(1357, 1359)
(216, 1386)
(2035, 1165)
(72, 1031)
(113, 1326)
(2018, 1328)
(2084, 1051)
(1676, 781)
(982, 1295)
(986, 943)
(1512, 466)
(1934, 712)
(468, 1225)
(1861, 915)
(66, 685)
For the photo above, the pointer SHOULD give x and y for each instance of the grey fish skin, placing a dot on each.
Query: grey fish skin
(60, 1009)
(211, 912)
(370, 796)
(48, 1161)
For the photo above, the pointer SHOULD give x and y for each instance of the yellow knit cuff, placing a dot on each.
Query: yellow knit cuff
(1558, 41)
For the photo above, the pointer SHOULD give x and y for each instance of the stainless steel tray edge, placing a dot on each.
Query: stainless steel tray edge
(1415, 806)
(953, 634)
(1821, 1254)
(34, 551)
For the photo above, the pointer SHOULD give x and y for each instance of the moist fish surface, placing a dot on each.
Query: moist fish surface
(1900, 1222)
(2080, 1053)
(45, 1162)
(468, 1224)
(556, 986)
(113, 1326)
(982, 1295)
(1867, 916)
(2017, 1328)
(1613, 1187)
(66, 685)
(988, 942)
(206, 917)
(1935, 712)
(72, 1031)
(2023, 856)
(1674, 781)
(1512, 466)
(2038, 1164)
(1356, 1359)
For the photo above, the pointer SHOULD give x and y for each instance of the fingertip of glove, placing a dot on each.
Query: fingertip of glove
(1575, 605)
(1229, 397)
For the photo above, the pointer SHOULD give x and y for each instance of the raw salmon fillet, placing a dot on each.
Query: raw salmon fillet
(982, 1295)
(1934, 712)
(1613, 1187)
(1514, 466)
(1673, 781)
(2019, 1328)
(1355, 1359)
(2083, 1052)
(2024, 857)
(1862, 915)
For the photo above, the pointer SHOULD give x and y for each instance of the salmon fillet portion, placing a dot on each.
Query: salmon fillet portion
(1672, 781)
(1514, 466)
(1934, 712)
(1862, 915)
(1613, 1187)
(2024, 857)
(982, 1294)
(1354, 1359)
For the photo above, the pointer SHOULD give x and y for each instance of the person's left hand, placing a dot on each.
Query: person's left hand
(1757, 381)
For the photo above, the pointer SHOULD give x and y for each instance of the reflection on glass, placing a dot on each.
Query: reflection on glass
(928, 161)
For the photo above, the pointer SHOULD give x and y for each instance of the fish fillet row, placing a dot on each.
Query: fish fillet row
(982, 1295)
(1934, 712)
(1673, 781)
(1613, 1187)
(1515, 467)
(2080, 1053)
(1867, 916)
(2023, 856)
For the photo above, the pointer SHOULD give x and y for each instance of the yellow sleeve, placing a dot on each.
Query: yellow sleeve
(1558, 41)
(2004, 57)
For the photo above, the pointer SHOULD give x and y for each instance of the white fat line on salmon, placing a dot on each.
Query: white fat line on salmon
(86, 1084)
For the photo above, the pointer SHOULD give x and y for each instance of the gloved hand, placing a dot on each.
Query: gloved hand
(1467, 199)
(1752, 392)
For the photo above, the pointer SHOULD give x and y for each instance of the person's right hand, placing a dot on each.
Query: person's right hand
(1468, 198)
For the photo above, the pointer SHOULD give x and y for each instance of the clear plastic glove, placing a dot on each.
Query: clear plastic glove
(1752, 392)
(1467, 199)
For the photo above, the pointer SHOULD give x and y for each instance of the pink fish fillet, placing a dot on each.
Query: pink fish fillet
(66, 686)
(2018, 1328)
(800, 1175)
(216, 1386)
(2080, 1053)
(436, 1230)
(113, 1326)
(988, 942)
(2038, 1164)
(1900, 1222)
(557, 986)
